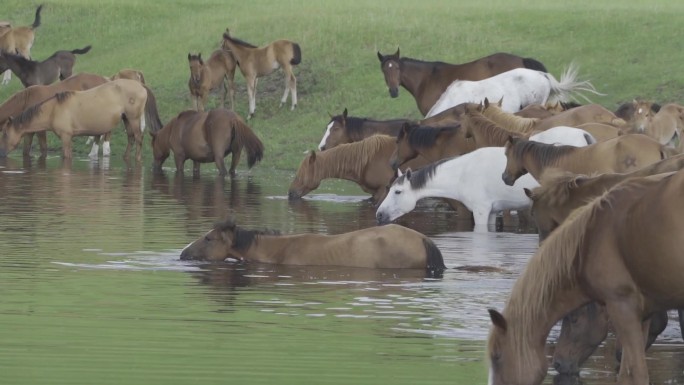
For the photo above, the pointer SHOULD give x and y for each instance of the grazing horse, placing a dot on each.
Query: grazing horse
(427, 81)
(386, 247)
(30, 96)
(366, 163)
(18, 40)
(622, 250)
(94, 111)
(204, 77)
(58, 66)
(255, 62)
(204, 137)
(622, 154)
(348, 129)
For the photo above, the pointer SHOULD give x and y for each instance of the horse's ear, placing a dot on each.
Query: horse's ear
(189, 56)
(312, 157)
(408, 173)
(397, 53)
(529, 193)
(399, 173)
(380, 57)
(344, 114)
(486, 103)
(511, 140)
(500, 102)
(498, 319)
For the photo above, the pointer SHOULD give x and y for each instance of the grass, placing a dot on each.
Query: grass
(628, 49)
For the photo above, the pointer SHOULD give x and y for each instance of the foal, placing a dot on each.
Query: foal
(204, 77)
(18, 40)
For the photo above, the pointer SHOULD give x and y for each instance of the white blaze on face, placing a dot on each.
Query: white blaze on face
(389, 65)
(325, 136)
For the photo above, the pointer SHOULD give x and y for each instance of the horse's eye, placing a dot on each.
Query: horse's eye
(397, 192)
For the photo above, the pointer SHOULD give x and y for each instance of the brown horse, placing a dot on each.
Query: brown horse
(666, 125)
(58, 66)
(204, 77)
(621, 250)
(637, 114)
(380, 247)
(255, 62)
(622, 154)
(427, 81)
(449, 117)
(30, 96)
(588, 113)
(18, 40)
(205, 137)
(484, 131)
(430, 143)
(366, 163)
(91, 112)
(348, 129)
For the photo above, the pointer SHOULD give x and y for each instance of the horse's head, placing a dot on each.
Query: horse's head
(400, 199)
(9, 137)
(160, 150)
(582, 331)
(506, 365)
(541, 212)
(335, 133)
(391, 68)
(216, 245)
(196, 64)
(305, 180)
(514, 168)
(404, 151)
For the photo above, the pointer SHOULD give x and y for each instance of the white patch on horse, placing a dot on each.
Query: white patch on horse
(142, 123)
(106, 149)
(6, 77)
(325, 136)
(94, 151)
(389, 65)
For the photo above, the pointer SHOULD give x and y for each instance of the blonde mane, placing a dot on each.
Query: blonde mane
(493, 132)
(509, 121)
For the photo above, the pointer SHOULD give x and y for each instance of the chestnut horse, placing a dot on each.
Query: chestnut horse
(384, 247)
(18, 40)
(622, 154)
(366, 163)
(427, 81)
(205, 137)
(204, 77)
(255, 62)
(91, 112)
(347, 129)
(621, 250)
(58, 66)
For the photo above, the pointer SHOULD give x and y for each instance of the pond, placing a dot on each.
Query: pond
(93, 290)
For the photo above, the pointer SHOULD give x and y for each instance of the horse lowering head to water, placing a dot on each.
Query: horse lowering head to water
(255, 62)
(348, 129)
(58, 66)
(205, 137)
(427, 80)
(215, 73)
(385, 247)
(18, 40)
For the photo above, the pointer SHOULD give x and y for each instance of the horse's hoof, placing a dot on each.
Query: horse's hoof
(293, 107)
(281, 104)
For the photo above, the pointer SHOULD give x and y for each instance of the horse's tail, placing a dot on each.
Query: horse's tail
(245, 137)
(435, 263)
(534, 64)
(151, 112)
(296, 54)
(569, 84)
(82, 50)
(36, 20)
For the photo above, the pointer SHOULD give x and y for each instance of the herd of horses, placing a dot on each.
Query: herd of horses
(499, 134)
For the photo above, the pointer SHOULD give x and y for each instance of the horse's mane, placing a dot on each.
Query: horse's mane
(31, 112)
(423, 62)
(63, 96)
(354, 125)
(510, 121)
(426, 136)
(491, 130)
(556, 190)
(242, 238)
(238, 41)
(355, 156)
(545, 154)
(419, 178)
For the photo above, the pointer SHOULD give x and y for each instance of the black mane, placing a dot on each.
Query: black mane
(420, 177)
(238, 41)
(425, 136)
(243, 238)
(547, 154)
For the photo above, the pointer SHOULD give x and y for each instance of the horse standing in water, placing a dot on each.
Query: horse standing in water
(18, 40)
(386, 247)
(348, 129)
(216, 72)
(58, 66)
(622, 250)
(255, 62)
(205, 137)
(427, 81)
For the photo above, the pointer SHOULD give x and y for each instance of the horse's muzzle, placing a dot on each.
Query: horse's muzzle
(566, 368)
(394, 92)
(292, 195)
(508, 179)
(382, 218)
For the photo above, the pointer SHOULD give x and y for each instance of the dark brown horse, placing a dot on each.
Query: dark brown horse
(427, 81)
(430, 143)
(379, 247)
(205, 137)
(58, 66)
(347, 129)
(215, 73)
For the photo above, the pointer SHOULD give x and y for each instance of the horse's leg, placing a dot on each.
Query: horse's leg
(196, 168)
(106, 146)
(28, 141)
(629, 329)
(6, 77)
(293, 89)
(224, 94)
(179, 159)
(237, 150)
(95, 149)
(482, 216)
(287, 87)
(251, 94)
(66, 146)
(203, 100)
(231, 85)
(42, 143)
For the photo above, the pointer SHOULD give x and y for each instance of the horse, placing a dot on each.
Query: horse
(588, 113)
(30, 96)
(366, 163)
(518, 88)
(637, 114)
(91, 112)
(386, 247)
(129, 73)
(666, 125)
(431, 143)
(449, 117)
(18, 40)
(622, 154)
(427, 80)
(204, 137)
(58, 66)
(348, 129)
(204, 77)
(255, 62)
(622, 250)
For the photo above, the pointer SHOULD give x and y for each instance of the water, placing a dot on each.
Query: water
(93, 291)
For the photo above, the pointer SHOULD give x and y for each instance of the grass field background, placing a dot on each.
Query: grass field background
(628, 49)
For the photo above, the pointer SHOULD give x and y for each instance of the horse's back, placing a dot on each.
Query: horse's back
(389, 246)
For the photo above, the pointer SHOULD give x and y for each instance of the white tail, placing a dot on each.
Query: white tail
(569, 87)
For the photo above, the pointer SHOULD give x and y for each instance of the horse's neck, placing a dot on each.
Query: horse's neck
(333, 168)
(372, 127)
(445, 182)
(414, 75)
(41, 122)
(269, 248)
(568, 161)
(490, 135)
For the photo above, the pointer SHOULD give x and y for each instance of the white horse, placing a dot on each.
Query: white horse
(518, 88)
(474, 179)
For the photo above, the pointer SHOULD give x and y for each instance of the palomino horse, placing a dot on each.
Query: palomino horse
(30, 96)
(58, 66)
(622, 154)
(386, 247)
(204, 77)
(366, 163)
(91, 112)
(427, 81)
(18, 40)
(621, 250)
(518, 88)
(348, 129)
(204, 137)
(255, 62)
(129, 73)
